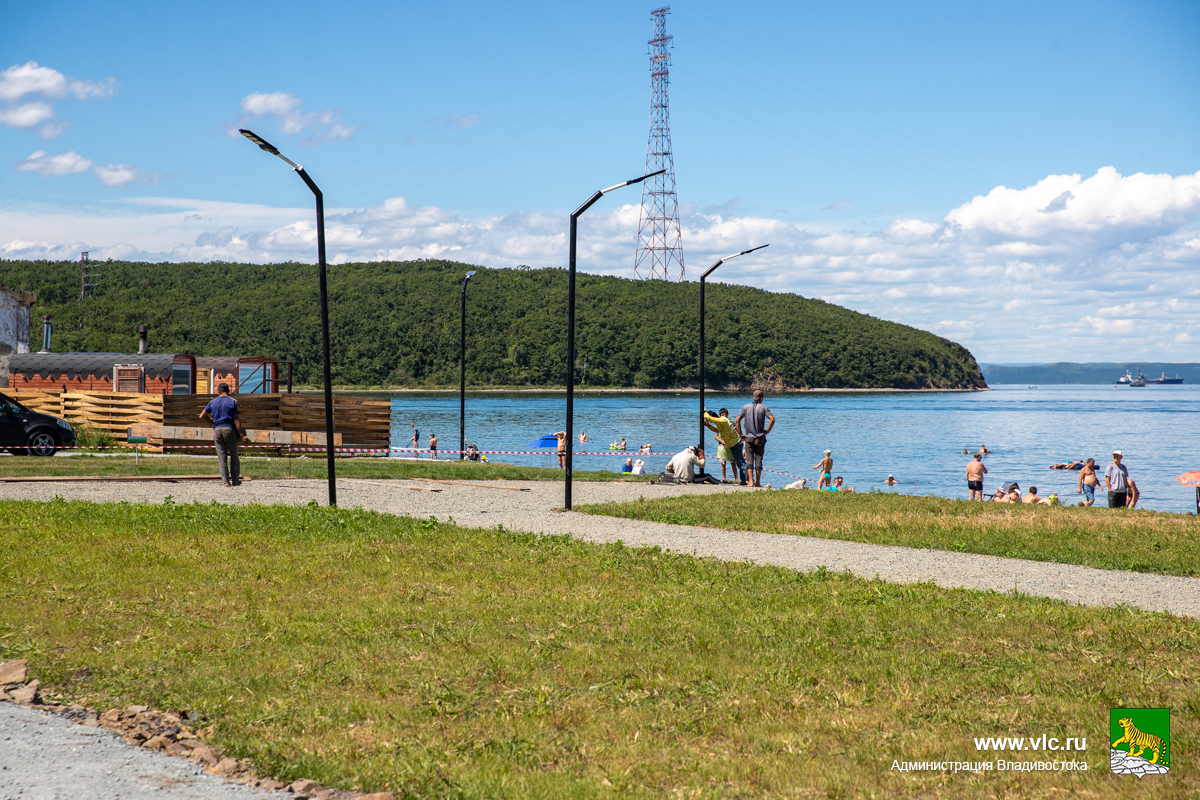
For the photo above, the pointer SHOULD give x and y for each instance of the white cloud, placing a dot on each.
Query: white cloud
(29, 78)
(1109, 275)
(124, 174)
(66, 163)
(26, 115)
(287, 111)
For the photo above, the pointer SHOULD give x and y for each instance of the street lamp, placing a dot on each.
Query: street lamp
(575, 215)
(462, 373)
(702, 280)
(299, 169)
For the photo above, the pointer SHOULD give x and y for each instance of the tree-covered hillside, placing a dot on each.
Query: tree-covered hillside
(397, 324)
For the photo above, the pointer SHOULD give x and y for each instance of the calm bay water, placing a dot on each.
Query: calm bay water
(919, 438)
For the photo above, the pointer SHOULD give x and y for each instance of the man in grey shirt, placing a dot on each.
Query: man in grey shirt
(1116, 480)
(754, 422)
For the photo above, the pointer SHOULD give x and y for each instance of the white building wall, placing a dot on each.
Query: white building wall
(14, 325)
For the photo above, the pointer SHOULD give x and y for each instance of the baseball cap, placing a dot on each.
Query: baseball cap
(1118, 453)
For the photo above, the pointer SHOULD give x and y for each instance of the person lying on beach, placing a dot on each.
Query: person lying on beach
(1000, 496)
(1031, 497)
(800, 484)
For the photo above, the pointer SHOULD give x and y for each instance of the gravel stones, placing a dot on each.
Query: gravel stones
(1121, 763)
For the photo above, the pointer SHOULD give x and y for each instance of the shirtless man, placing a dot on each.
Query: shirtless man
(1088, 482)
(1031, 498)
(826, 467)
(561, 436)
(1132, 495)
(975, 472)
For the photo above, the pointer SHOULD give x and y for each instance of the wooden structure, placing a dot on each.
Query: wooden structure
(131, 373)
(358, 422)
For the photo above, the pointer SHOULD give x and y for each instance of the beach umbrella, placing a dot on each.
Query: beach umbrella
(545, 441)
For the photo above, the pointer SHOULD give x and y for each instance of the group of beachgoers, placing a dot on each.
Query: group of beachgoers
(741, 444)
(1122, 491)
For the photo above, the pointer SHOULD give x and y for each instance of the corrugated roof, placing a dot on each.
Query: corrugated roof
(72, 365)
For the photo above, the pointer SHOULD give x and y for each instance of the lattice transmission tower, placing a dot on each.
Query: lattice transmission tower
(660, 242)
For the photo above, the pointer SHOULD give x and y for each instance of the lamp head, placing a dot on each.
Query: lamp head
(470, 275)
(258, 140)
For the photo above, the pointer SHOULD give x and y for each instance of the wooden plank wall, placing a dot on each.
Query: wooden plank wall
(37, 400)
(114, 412)
(362, 421)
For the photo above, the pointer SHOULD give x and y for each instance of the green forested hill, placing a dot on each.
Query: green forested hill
(397, 324)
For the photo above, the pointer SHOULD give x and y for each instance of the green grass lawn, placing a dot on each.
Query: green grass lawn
(1142, 541)
(375, 652)
(312, 466)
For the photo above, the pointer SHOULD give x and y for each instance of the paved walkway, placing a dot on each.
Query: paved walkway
(491, 503)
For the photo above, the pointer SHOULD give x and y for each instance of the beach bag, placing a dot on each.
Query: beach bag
(666, 479)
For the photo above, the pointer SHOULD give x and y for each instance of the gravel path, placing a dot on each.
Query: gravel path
(43, 756)
(487, 504)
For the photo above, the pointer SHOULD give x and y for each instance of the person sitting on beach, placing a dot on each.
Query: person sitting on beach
(639, 467)
(682, 465)
(1031, 497)
(1131, 497)
(891, 480)
(1000, 496)
(628, 466)
(1014, 494)
(838, 487)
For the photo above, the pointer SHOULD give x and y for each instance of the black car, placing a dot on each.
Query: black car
(24, 432)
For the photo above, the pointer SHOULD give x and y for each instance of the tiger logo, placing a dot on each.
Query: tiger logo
(1140, 741)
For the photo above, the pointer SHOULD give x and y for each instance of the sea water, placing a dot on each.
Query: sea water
(917, 437)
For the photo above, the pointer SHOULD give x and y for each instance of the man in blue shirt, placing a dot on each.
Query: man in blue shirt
(227, 430)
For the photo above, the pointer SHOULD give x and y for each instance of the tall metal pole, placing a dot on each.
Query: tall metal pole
(701, 445)
(570, 426)
(462, 374)
(330, 462)
(324, 291)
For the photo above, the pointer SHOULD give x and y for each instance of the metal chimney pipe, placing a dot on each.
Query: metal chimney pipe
(143, 347)
(47, 328)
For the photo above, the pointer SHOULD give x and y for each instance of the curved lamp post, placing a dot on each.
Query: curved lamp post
(462, 373)
(702, 280)
(299, 169)
(570, 428)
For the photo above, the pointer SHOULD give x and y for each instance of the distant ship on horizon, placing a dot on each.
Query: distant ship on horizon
(1125, 379)
(1164, 380)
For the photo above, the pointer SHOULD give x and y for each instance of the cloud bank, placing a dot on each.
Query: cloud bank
(1071, 268)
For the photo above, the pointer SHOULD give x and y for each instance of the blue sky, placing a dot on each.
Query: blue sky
(867, 141)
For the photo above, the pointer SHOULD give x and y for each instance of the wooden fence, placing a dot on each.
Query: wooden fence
(359, 421)
(113, 412)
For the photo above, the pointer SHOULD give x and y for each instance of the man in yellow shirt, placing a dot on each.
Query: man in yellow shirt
(729, 443)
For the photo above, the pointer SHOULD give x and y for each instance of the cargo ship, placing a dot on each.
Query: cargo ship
(1165, 381)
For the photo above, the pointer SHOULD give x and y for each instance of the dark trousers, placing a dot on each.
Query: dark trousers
(739, 459)
(226, 440)
(1117, 499)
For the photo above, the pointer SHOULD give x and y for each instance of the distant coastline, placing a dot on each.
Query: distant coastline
(1065, 372)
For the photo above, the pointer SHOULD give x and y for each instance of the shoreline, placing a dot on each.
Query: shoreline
(621, 390)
